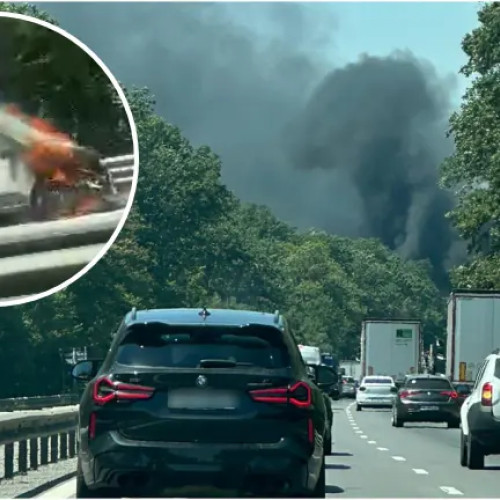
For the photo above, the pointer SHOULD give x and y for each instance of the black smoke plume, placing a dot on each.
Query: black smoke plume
(353, 151)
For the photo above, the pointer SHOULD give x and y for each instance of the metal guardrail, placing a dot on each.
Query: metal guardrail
(38, 402)
(36, 440)
(121, 170)
(35, 257)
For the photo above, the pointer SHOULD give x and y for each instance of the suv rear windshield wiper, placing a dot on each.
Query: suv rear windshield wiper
(221, 363)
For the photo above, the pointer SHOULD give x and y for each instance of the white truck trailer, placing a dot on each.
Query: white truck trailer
(473, 332)
(350, 368)
(390, 347)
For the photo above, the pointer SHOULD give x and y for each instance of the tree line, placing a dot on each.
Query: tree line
(189, 242)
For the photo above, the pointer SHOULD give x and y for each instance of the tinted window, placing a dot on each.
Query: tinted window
(377, 381)
(497, 368)
(463, 388)
(429, 383)
(158, 345)
(348, 380)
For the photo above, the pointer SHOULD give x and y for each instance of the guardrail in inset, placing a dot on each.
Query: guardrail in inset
(38, 402)
(121, 170)
(36, 440)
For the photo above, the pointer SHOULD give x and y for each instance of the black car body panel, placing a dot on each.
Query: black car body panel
(185, 398)
(486, 428)
(427, 398)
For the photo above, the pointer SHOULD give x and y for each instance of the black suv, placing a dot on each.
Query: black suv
(189, 397)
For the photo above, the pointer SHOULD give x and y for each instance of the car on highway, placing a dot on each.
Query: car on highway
(426, 398)
(480, 416)
(348, 387)
(190, 397)
(375, 391)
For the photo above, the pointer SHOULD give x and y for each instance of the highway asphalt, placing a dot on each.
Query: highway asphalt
(372, 459)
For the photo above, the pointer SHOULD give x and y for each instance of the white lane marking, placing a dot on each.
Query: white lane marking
(383, 449)
(449, 490)
(358, 432)
(420, 471)
(363, 436)
(399, 459)
(372, 442)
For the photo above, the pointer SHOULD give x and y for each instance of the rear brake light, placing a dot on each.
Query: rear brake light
(404, 394)
(450, 394)
(310, 431)
(298, 395)
(487, 394)
(105, 390)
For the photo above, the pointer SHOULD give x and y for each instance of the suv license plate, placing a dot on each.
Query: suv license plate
(429, 408)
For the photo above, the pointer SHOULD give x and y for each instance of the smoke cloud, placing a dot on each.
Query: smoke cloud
(353, 150)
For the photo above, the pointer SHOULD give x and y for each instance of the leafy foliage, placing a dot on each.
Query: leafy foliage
(49, 76)
(473, 171)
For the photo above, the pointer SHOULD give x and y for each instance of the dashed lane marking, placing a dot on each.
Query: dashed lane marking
(450, 490)
(420, 471)
(363, 436)
(383, 449)
(372, 442)
(358, 432)
(399, 459)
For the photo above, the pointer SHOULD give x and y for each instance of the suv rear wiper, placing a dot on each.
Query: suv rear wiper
(222, 363)
(217, 363)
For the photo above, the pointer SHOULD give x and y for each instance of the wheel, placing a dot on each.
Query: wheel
(463, 450)
(454, 424)
(397, 421)
(320, 490)
(475, 454)
(358, 407)
(328, 444)
(39, 198)
(83, 491)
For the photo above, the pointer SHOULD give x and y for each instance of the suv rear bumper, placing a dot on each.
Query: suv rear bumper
(116, 462)
(485, 428)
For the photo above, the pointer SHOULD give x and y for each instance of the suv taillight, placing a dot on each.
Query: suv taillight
(450, 394)
(298, 395)
(105, 391)
(487, 394)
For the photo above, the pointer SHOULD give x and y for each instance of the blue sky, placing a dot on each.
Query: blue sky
(432, 31)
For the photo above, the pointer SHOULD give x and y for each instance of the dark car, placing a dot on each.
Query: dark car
(348, 389)
(189, 397)
(426, 398)
(327, 379)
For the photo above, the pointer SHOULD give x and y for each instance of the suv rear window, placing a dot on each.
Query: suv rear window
(159, 345)
(428, 383)
(377, 381)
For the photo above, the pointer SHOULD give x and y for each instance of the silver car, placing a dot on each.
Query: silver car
(348, 387)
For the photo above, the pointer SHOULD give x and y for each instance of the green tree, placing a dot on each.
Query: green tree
(49, 76)
(473, 171)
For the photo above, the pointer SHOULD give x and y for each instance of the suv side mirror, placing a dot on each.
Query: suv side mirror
(326, 377)
(86, 370)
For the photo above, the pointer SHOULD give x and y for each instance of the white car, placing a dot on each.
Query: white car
(480, 416)
(376, 391)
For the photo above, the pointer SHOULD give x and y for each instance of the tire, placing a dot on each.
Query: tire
(397, 421)
(328, 444)
(320, 489)
(463, 450)
(454, 424)
(475, 454)
(39, 198)
(358, 407)
(83, 491)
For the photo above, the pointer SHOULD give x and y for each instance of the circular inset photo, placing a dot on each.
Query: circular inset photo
(68, 159)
